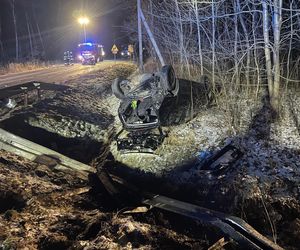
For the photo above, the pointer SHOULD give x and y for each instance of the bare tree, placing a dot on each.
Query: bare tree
(267, 45)
(12, 3)
(1, 43)
(277, 20)
(29, 35)
(38, 31)
(236, 42)
(195, 4)
(213, 42)
(246, 35)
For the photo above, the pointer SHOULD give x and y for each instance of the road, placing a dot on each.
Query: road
(53, 74)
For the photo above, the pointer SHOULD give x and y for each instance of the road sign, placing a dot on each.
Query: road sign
(130, 48)
(114, 49)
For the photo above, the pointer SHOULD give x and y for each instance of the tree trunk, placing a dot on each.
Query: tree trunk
(256, 61)
(39, 32)
(236, 61)
(29, 35)
(247, 44)
(1, 44)
(213, 44)
(15, 26)
(180, 33)
(141, 67)
(290, 43)
(267, 47)
(199, 37)
(277, 20)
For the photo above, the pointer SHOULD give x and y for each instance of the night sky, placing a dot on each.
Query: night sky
(57, 22)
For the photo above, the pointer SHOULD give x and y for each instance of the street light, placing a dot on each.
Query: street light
(83, 21)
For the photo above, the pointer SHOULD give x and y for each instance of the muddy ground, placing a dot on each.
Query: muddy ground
(44, 209)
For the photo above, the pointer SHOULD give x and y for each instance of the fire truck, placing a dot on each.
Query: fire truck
(90, 53)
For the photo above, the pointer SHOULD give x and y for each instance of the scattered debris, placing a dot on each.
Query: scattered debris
(221, 160)
(140, 142)
(219, 244)
(137, 210)
(11, 103)
(233, 227)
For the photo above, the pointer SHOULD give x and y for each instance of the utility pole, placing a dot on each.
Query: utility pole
(141, 67)
(152, 39)
(141, 18)
(84, 31)
(83, 22)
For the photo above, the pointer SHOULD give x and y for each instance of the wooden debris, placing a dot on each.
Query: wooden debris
(137, 210)
(219, 244)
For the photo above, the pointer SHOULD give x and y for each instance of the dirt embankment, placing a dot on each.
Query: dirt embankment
(42, 209)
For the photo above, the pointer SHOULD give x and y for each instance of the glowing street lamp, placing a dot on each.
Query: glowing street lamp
(83, 21)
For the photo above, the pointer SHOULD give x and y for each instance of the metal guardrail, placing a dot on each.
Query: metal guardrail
(24, 88)
(37, 153)
(234, 227)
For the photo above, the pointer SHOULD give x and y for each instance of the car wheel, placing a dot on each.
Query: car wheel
(120, 87)
(169, 81)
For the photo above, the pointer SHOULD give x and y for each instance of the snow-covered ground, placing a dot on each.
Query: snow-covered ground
(209, 130)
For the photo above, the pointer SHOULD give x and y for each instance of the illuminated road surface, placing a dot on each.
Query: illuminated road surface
(54, 74)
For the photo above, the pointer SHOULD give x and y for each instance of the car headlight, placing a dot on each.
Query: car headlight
(80, 57)
(122, 53)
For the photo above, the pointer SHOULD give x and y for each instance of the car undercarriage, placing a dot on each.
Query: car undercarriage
(139, 109)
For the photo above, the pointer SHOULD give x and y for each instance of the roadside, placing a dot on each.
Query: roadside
(24, 67)
(57, 73)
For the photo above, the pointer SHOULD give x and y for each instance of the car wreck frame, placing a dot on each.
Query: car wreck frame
(139, 108)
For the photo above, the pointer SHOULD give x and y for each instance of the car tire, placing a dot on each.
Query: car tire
(117, 89)
(169, 81)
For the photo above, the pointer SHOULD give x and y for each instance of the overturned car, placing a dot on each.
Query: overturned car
(139, 108)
